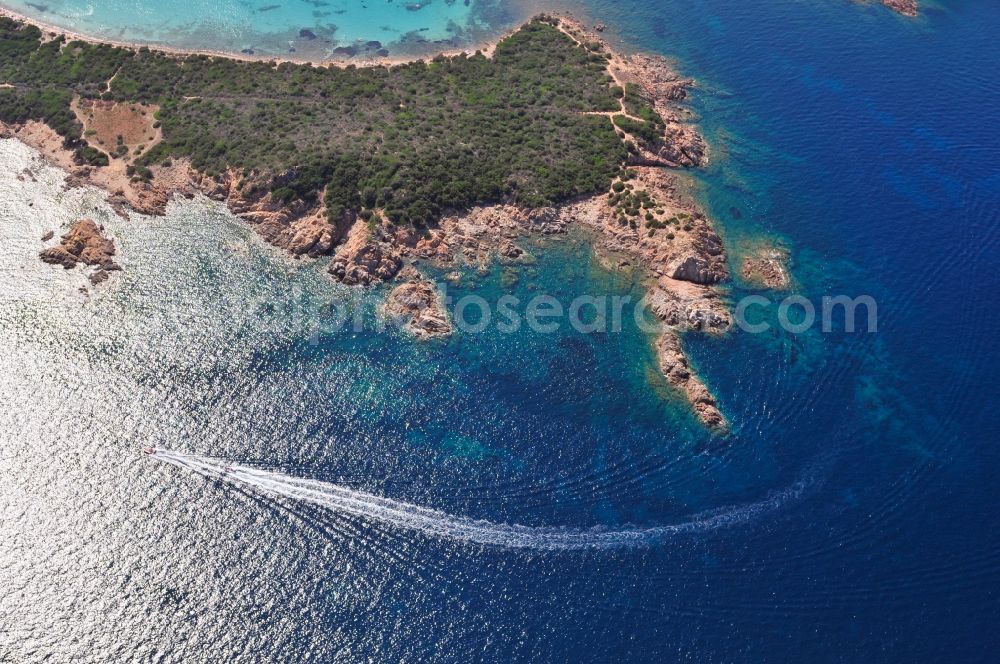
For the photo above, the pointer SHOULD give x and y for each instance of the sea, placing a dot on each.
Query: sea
(328, 489)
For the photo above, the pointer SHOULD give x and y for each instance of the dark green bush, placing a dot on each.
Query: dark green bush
(414, 140)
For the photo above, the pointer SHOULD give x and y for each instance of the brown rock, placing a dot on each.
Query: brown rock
(301, 229)
(696, 269)
(59, 256)
(904, 7)
(692, 308)
(767, 267)
(418, 303)
(684, 260)
(676, 368)
(509, 250)
(83, 243)
(683, 146)
(365, 259)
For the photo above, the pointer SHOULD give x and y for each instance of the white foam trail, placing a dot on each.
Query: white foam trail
(443, 525)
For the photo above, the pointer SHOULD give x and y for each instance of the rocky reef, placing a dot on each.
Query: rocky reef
(84, 243)
(904, 7)
(767, 267)
(684, 261)
(417, 303)
(680, 253)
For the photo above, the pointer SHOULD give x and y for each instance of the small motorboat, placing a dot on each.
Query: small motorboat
(149, 450)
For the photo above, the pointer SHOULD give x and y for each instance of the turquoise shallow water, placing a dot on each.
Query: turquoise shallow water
(856, 494)
(290, 28)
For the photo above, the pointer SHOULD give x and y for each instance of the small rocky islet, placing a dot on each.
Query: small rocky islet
(904, 7)
(84, 243)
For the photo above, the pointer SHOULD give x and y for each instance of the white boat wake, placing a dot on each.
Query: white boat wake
(435, 523)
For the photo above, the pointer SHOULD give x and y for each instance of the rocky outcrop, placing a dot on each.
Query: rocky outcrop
(84, 243)
(682, 144)
(767, 267)
(691, 308)
(675, 366)
(656, 76)
(685, 249)
(375, 251)
(418, 304)
(696, 268)
(368, 256)
(298, 227)
(904, 7)
(684, 262)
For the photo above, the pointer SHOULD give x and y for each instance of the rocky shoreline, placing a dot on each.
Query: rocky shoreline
(672, 242)
(643, 222)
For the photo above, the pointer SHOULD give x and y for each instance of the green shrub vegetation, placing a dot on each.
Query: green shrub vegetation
(642, 120)
(639, 105)
(649, 133)
(630, 204)
(413, 140)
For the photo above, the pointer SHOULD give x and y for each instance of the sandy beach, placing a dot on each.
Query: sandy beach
(486, 47)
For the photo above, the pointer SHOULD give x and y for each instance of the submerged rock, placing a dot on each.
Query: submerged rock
(904, 7)
(509, 250)
(767, 267)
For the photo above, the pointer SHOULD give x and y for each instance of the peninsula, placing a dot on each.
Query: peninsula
(448, 160)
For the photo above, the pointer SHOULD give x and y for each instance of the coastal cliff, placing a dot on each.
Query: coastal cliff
(624, 112)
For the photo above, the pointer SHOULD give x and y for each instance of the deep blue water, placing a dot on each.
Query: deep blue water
(867, 143)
